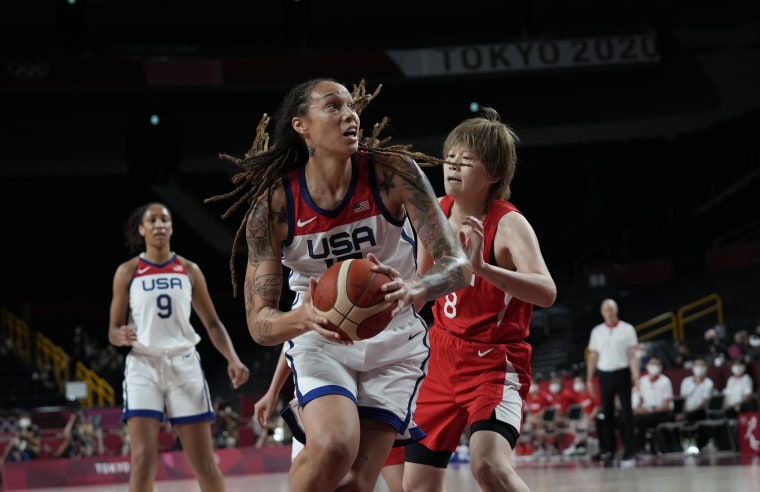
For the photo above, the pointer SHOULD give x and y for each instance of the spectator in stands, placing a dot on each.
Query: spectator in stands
(713, 350)
(79, 435)
(535, 403)
(739, 396)
(559, 399)
(684, 356)
(754, 344)
(26, 444)
(696, 391)
(612, 357)
(154, 295)
(653, 406)
(559, 396)
(226, 425)
(581, 427)
(741, 348)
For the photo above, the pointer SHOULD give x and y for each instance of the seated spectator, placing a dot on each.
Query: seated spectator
(79, 436)
(559, 396)
(696, 391)
(713, 350)
(653, 406)
(226, 425)
(684, 357)
(740, 349)
(739, 396)
(581, 427)
(754, 344)
(26, 444)
(535, 403)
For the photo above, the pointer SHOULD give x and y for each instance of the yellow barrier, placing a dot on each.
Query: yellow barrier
(19, 334)
(48, 353)
(663, 323)
(96, 387)
(99, 391)
(700, 308)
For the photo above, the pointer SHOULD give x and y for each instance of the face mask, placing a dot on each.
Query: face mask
(737, 370)
(24, 423)
(554, 388)
(700, 371)
(579, 387)
(653, 369)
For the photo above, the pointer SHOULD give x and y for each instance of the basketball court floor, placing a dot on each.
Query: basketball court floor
(672, 474)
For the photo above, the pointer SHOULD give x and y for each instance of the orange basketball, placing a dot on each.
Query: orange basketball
(349, 295)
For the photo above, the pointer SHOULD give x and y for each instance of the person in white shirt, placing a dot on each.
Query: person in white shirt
(696, 391)
(738, 391)
(612, 358)
(654, 406)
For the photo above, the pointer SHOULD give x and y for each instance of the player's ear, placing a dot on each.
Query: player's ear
(299, 125)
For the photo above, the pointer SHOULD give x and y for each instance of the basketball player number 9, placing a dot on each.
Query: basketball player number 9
(450, 307)
(164, 303)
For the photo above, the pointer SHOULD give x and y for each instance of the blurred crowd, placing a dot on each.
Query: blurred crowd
(687, 400)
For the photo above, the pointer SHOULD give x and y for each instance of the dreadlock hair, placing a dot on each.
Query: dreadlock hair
(263, 165)
(494, 143)
(133, 241)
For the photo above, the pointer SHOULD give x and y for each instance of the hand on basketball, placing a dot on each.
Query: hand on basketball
(397, 289)
(312, 321)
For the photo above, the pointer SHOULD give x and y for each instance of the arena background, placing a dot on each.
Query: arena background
(638, 162)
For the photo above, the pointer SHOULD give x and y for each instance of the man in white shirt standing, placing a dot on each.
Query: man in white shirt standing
(612, 358)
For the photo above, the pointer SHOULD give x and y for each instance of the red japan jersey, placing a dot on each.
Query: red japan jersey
(482, 312)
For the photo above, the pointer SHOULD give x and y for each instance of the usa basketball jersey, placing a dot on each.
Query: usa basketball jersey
(317, 238)
(483, 313)
(160, 302)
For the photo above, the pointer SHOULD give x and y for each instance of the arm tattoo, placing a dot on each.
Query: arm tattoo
(387, 183)
(442, 278)
(258, 234)
(281, 216)
(263, 282)
(445, 275)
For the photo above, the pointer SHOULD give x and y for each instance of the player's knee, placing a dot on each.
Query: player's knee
(331, 453)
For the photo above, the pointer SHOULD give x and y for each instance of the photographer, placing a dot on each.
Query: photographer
(26, 444)
(80, 437)
(226, 425)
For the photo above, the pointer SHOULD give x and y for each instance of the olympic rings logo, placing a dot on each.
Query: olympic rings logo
(28, 71)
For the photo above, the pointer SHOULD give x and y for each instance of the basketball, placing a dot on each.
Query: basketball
(349, 295)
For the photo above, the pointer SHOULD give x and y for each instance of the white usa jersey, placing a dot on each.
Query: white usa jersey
(318, 238)
(160, 302)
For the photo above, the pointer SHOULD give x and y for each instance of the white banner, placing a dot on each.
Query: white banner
(528, 55)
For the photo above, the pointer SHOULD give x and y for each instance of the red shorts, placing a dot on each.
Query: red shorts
(468, 382)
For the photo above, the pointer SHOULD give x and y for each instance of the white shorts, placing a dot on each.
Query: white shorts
(166, 386)
(382, 375)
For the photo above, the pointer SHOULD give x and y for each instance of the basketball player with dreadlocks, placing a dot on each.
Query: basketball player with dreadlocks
(314, 197)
